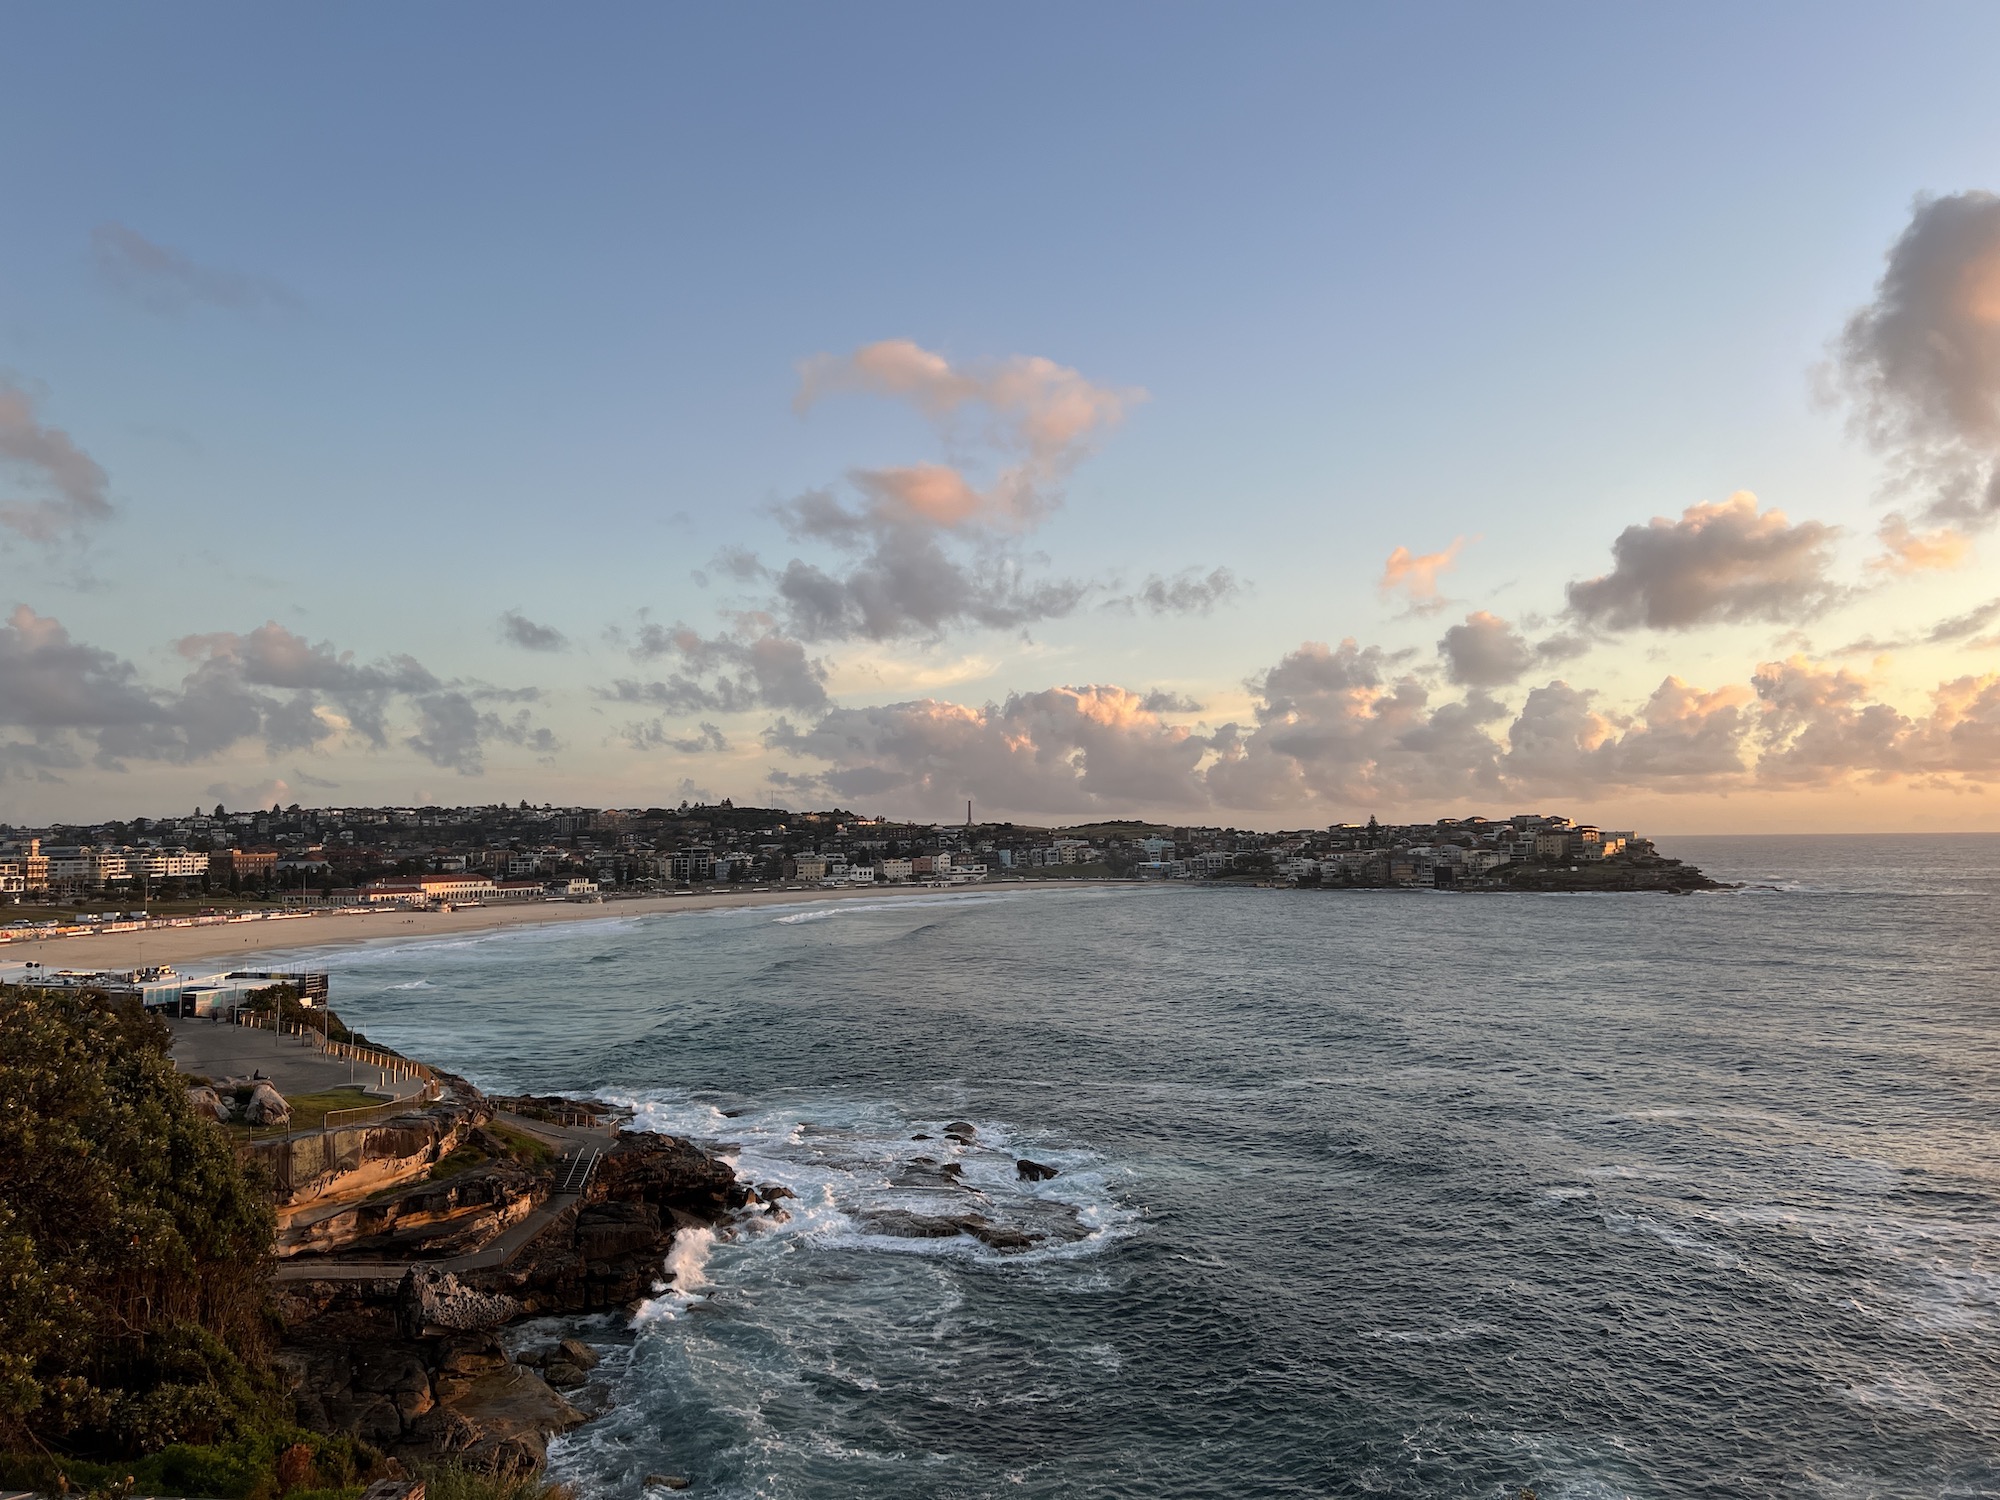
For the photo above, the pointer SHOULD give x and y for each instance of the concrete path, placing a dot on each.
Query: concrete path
(215, 1049)
(574, 1142)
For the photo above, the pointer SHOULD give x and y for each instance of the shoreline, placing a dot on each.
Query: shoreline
(351, 928)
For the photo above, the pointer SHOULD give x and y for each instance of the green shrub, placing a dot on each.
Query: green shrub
(133, 1248)
(250, 1467)
(453, 1481)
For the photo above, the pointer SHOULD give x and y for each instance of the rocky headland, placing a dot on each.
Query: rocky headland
(406, 1248)
(1672, 877)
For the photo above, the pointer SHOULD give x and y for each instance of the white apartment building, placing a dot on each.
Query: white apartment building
(166, 864)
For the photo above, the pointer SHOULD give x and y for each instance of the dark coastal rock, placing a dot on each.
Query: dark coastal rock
(594, 1400)
(1033, 1171)
(905, 1225)
(961, 1131)
(605, 1231)
(500, 1422)
(475, 1354)
(667, 1172)
(432, 1300)
(409, 1362)
(926, 1173)
(668, 1482)
(606, 1253)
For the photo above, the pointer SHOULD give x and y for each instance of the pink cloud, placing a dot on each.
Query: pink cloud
(1905, 550)
(1416, 574)
(1041, 414)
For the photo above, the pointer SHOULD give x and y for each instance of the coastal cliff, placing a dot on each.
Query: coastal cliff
(411, 1358)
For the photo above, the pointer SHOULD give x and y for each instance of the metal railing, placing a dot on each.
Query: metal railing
(581, 1166)
(388, 1063)
(368, 1114)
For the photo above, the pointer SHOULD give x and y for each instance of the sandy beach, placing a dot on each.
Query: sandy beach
(238, 941)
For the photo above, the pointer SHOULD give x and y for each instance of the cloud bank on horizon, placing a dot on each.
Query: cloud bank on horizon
(889, 564)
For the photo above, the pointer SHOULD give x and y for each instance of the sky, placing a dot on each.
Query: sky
(1264, 416)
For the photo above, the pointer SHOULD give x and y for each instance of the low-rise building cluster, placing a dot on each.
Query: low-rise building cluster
(296, 856)
(1448, 852)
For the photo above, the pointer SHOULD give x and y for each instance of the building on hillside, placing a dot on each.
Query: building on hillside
(245, 864)
(23, 869)
(166, 864)
(690, 864)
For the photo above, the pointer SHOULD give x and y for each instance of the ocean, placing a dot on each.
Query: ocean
(1359, 1194)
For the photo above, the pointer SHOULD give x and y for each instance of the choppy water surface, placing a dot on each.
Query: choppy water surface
(1392, 1194)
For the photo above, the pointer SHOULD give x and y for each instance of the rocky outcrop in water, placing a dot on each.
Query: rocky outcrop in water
(904, 1225)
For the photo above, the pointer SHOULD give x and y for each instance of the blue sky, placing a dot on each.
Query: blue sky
(382, 323)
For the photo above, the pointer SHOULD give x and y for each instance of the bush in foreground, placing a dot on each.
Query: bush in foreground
(132, 1247)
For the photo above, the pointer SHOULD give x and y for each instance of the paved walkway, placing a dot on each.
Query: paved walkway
(575, 1142)
(215, 1049)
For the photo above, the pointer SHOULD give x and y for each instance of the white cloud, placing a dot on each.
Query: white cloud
(1921, 363)
(1717, 563)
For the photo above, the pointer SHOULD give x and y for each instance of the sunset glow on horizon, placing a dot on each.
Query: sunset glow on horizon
(1200, 420)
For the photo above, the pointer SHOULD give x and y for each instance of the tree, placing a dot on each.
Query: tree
(132, 1246)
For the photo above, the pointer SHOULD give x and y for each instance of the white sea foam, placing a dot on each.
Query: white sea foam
(686, 1274)
(414, 984)
(687, 1261)
(853, 1167)
(1940, 1276)
(1901, 1391)
(1619, 1222)
(822, 911)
